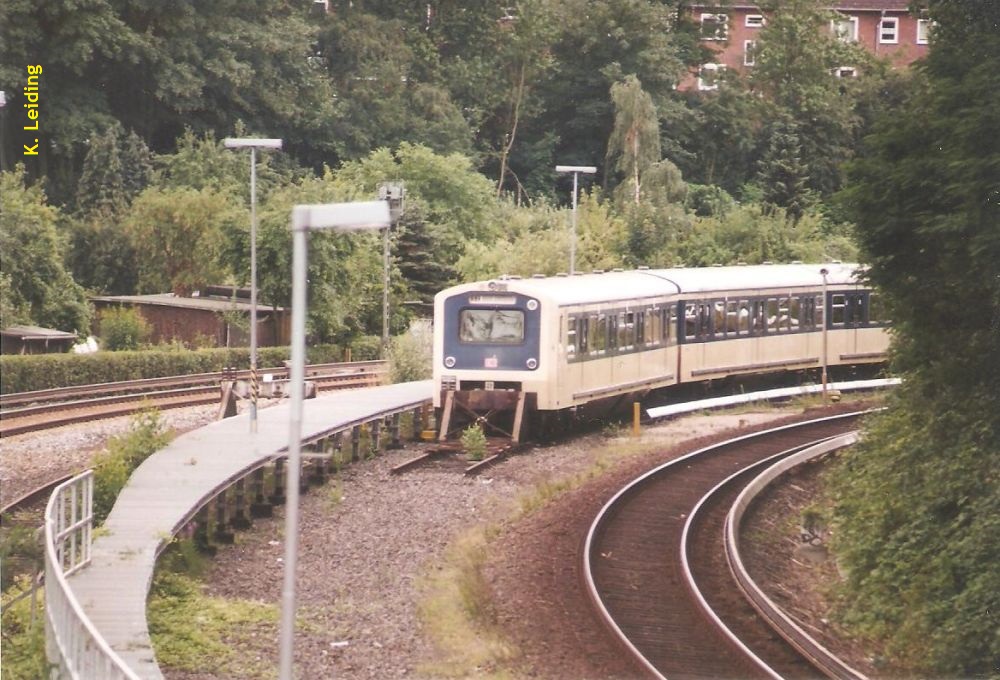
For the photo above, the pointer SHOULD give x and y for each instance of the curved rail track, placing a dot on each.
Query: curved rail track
(657, 571)
(44, 409)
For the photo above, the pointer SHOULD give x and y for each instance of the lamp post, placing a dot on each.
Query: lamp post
(3, 126)
(253, 143)
(824, 272)
(393, 193)
(576, 170)
(341, 217)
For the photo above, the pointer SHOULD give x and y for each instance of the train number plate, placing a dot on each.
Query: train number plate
(490, 362)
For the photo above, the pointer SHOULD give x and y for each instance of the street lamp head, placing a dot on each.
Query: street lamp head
(584, 169)
(824, 271)
(358, 216)
(251, 142)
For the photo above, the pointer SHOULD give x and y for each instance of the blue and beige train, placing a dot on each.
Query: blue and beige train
(511, 351)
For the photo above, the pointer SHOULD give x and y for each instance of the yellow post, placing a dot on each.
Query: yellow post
(636, 410)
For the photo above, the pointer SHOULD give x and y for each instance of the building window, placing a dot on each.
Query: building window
(749, 52)
(845, 29)
(754, 20)
(888, 30)
(923, 31)
(714, 26)
(845, 72)
(708, 76)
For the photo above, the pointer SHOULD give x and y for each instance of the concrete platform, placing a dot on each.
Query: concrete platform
(162, 492)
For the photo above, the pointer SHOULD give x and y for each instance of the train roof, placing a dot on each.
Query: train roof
(616, 285)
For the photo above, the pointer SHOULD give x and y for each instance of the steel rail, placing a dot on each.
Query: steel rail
(326, 375)
(821, 657)
(212, 378)
(692, 582)
(611, 505)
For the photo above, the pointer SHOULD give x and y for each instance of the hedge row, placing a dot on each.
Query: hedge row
(46, 371)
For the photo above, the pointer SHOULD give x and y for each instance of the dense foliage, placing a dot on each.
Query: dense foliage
(919, 502)
(471, 105)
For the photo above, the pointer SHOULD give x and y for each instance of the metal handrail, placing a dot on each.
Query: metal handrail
(72, 644)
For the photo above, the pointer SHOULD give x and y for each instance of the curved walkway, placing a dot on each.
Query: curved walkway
(163, 492)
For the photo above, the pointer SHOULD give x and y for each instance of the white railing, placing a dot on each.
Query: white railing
(73, 646)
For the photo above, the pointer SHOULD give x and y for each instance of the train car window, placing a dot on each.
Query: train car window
(719, 318)
(877, 313)
(571, 338)
(732, 317)
(795, 313)
(758, 319)
(743, 317)
(690, 321)
(640, 327)
(838, 309)
(626, 331)
(491, 326)
(856, 309)
(807, 313)
(654, 327)
(820, 306)
(582, 327)
(705, 328)
(785, 314)
(667, 325)
(772, 315)
(614, 323)
(598, 335)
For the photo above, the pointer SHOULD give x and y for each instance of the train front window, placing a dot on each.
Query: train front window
(491, 326)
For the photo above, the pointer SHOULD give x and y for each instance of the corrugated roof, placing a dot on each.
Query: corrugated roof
(36, 333)
(171, 300)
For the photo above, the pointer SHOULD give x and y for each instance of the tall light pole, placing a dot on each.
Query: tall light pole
(3, 126)
(341, 217)
(576, 170)
(393, 193)
(253, 143)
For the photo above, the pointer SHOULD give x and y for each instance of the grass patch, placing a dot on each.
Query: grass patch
(192, 631)
(457, 611)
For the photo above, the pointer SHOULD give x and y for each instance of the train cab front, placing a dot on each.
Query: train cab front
(486, 357)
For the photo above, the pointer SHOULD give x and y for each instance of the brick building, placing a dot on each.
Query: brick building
(886, 28)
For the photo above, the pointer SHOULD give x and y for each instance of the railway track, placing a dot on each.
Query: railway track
(657, 571)
(33, 411)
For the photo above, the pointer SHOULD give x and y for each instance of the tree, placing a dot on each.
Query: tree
(36, 285)
(159, 69)
(598, 45)
(101, 189)
(177, 235)
(782, 173)
(635, 140)
(918, 502)
(796, 55)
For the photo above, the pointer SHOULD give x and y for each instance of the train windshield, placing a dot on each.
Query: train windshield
(493, 326)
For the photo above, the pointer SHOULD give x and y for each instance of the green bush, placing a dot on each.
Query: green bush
(123, 328)
(409, 358)
(46, 371)
(114, 466)
(474, 442)
(23, 645)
